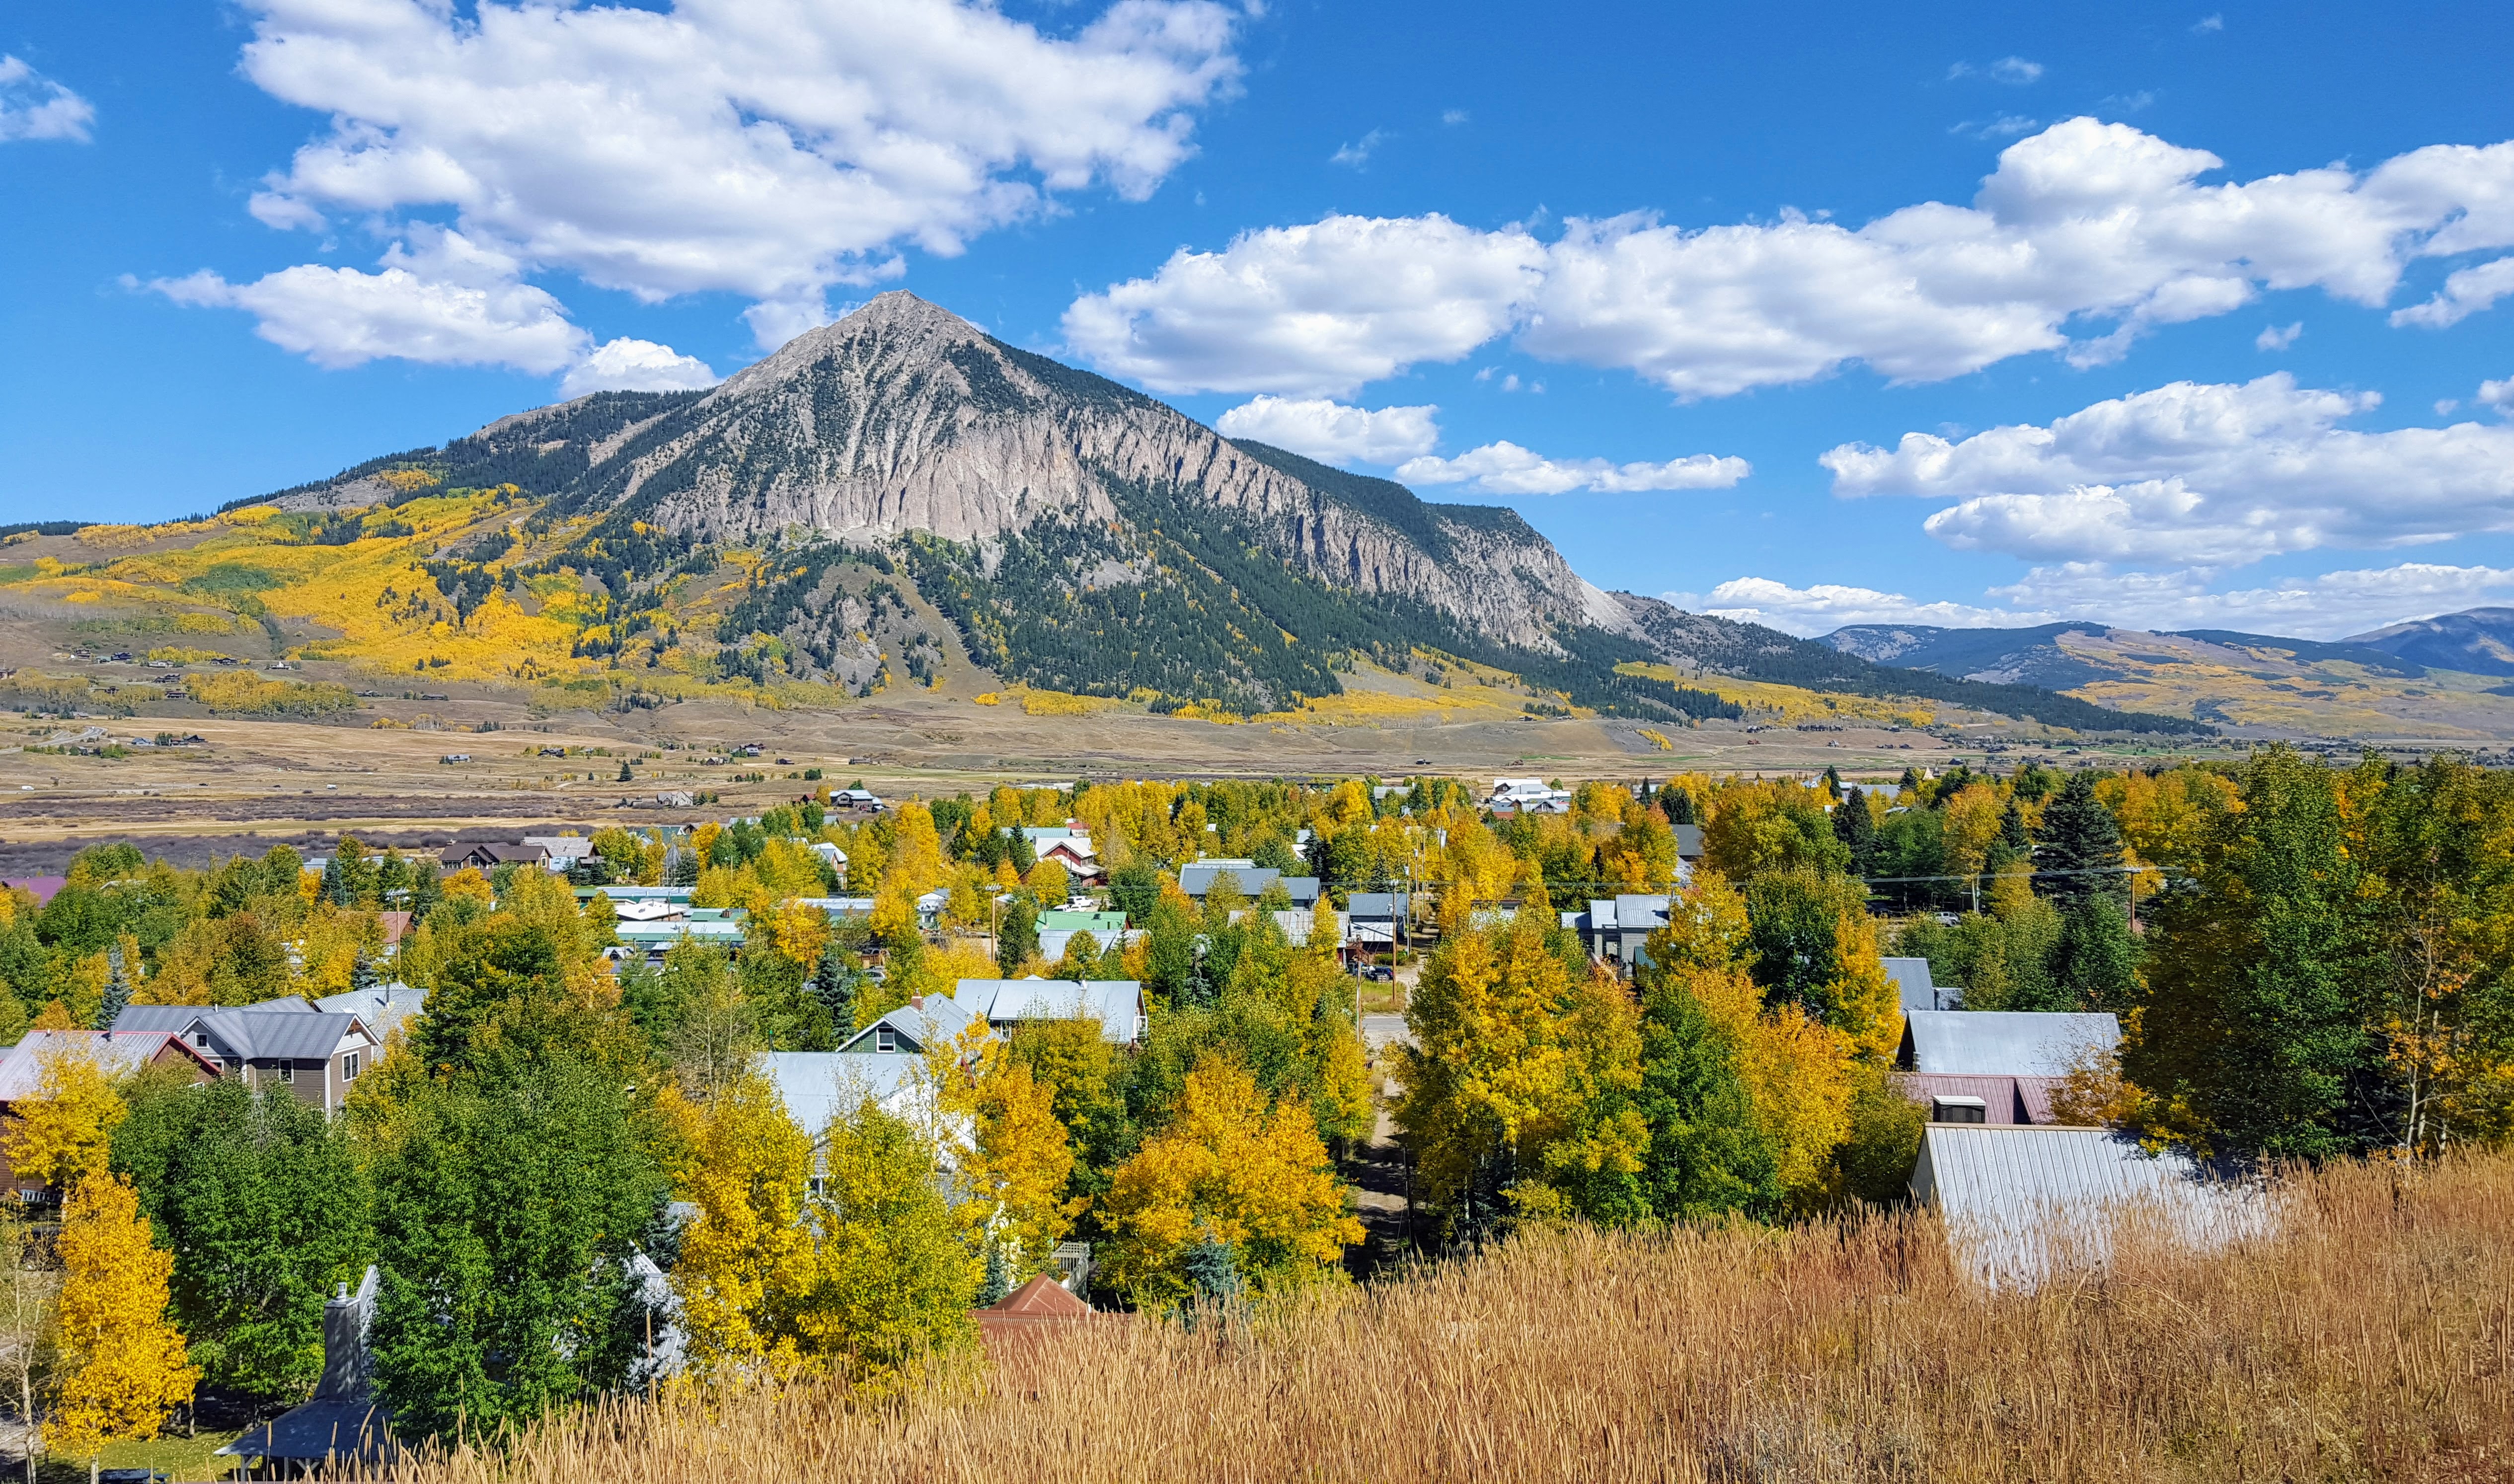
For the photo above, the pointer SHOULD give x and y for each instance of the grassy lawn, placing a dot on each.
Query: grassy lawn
(184, 1458)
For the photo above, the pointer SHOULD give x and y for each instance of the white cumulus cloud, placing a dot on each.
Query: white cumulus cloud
(1310, 310)
(1824, 607)
(447, 300)
(33, 106)
(2082, 225)
(2278, 336)
(2464, 294)
(766, 149)
(1506, 469)
(2497, 395)
(633, 365)
(2193, 472)
(1333, 432)
(2329, 605)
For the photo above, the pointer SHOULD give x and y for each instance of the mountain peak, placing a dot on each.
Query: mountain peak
(897, 325)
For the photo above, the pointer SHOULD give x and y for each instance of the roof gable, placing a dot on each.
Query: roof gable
(2003, 1043)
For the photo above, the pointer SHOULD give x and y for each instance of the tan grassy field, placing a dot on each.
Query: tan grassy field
(2371, 1338)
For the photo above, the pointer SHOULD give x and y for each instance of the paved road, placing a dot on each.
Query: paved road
(1378, 1031)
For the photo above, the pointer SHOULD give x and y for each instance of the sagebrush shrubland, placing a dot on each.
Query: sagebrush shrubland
(2370, 1337)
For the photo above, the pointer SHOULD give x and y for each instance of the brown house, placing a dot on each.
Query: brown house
(115, 1053)
(287, 1043)
(490, 857)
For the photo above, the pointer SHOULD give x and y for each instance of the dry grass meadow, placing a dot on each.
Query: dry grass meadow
(2373, 1338)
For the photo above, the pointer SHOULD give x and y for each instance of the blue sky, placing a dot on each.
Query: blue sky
(1717, 297)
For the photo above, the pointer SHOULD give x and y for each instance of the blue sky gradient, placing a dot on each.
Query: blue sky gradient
(125, 401)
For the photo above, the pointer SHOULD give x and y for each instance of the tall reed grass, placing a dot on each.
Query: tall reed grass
(2369, 1337)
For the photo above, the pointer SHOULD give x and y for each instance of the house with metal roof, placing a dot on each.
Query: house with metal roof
(1920, 992)
(1117, 1004)
(313, 1053)
(489, 856)
(927, 1021)
(1197, 879)
(2022, 1205)
(1997, 1066)
(25, 1069)
(1614, 930)
(384, 1009)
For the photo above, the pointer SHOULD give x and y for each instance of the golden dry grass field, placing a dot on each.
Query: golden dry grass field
(2370, 1338)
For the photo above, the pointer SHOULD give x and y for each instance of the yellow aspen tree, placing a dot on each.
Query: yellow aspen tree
(1024, 1158)
(1230, 1168)
(916, 852)
(122, 1365)
(746, 1256)
(1049, 881)
(65, 1131)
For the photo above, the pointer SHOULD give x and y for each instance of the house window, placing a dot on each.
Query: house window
(1959, 1111)
(885, 1039)
(350, 1066)
(288, 1073)
(201, 1039)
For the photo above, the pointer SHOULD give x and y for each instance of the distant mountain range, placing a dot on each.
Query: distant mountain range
(2426, 677)
(1079, 536)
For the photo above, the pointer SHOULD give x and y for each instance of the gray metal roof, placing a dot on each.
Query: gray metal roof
(818, 1086)
(2003, 1043)
(383, 1009)
(279, 1030)
(1382, 906)
(939, 1019)
(1196, 880)
(1920, 992)
(1689, 841)
(2023, 1203)
(1116, 1003)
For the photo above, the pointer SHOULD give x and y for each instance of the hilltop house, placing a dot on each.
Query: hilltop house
(115, 1052)
(1997, 1066)
(286, 1042)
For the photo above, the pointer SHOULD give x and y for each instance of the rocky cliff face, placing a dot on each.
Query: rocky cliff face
(905, 418)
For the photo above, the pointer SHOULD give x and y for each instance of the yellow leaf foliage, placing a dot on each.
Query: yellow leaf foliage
(1234, 1169)
(66, 1133)
(745, 1266)
(122, 1365)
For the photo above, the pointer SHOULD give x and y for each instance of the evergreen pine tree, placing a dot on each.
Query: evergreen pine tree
(833, 985)
(1707, 1156)
(1213, 1269)
(363, 974)
(998, 1280)
(1017, 937)
(2095, 964)
(1677, 804)
(2080, 854)
(335, 886)
(625, 776)
(1832, 781)
(1854, 827)
(680, 867)
(117, 991)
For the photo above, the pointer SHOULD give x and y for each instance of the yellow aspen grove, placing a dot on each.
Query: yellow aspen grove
(747, 1256)
(66, 1133)
(122, 1365)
